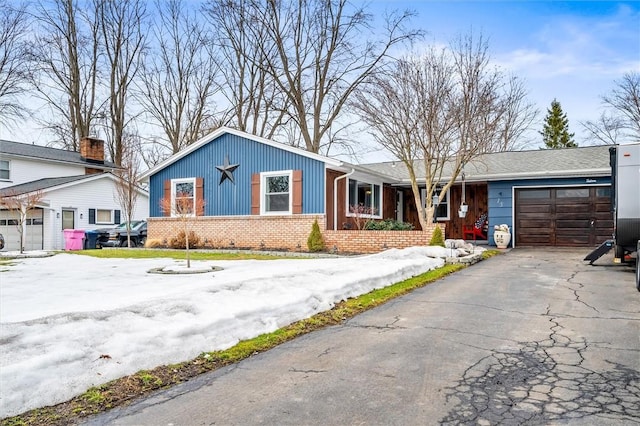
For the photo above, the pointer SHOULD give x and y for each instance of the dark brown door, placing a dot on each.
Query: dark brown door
(568, 216)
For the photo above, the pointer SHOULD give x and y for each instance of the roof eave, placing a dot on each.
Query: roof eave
(224, 130)
(99, 166)
(528, 175)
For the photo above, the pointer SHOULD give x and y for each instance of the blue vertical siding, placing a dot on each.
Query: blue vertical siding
(501, 203)
(229, 199)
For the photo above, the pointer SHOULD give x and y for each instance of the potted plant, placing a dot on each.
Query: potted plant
(501, 235)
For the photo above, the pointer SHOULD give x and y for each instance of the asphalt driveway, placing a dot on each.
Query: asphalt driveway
(530, 337)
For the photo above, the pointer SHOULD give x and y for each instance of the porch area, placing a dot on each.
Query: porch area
(472, 227)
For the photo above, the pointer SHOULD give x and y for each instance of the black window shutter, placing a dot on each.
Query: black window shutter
(116, 217)
(92, 216)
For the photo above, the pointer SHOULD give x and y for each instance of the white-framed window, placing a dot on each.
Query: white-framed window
(442, 209)
(183, 197)
(365, 199)
(5, 170)
(104, 216)
(275, 192)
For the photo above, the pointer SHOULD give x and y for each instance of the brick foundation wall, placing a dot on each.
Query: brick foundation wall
(375, 241)
(282, 233)
(242, 232)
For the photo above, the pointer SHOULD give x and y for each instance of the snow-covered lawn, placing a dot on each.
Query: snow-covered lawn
(59, 315)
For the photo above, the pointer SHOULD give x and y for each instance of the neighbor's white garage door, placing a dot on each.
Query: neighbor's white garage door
(9, 229)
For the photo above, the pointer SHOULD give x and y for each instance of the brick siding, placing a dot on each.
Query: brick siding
(282, 233)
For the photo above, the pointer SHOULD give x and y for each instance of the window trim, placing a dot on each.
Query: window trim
(423, 194)
(263, 194)
(8, 169)
(109, 222)
(379, 201)
(173, 195)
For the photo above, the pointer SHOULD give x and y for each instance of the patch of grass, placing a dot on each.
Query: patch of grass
(490, 253)
(123, 390)
(134, 253)
(93, 396)
(149, 380)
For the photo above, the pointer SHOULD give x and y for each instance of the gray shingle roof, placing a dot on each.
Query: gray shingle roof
(41, 184)
(46, 153)
(570, 162)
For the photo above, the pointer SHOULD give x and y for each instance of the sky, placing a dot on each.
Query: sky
(572, 51)
(59, 315)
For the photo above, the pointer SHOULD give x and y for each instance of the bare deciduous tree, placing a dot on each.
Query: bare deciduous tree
(607, 129)
(184, 207)
(64, 56)
(518, 117)
(127, 188)
(14, 68)
(621, 119)
(21, 204)
(178, 80)
(480, 108)
(122, 25)
(436, 112)
(257, 106)
(322, 60)
(317, 52)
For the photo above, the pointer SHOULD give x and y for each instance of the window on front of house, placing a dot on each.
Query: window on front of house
(276, 192)
(364, 199)
(183, 197)
(442, 210)
(5, 170)
(104, 217)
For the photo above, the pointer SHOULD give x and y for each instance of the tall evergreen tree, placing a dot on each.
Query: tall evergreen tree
(555, 131)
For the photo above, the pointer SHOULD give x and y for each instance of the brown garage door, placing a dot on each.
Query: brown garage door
(568, 216)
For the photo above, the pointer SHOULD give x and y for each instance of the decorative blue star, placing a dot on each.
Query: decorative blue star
(226, 170)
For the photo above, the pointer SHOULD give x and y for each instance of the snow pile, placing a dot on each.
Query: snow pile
(60, 315)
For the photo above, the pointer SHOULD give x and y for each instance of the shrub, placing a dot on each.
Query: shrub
(180, 241)
(437, 239)
(388, 225)
(153, 243)
(315, 242)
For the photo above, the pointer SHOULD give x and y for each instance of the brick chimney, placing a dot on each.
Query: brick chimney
(92, 151)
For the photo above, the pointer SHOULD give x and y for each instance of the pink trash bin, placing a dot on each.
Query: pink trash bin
(73, 239)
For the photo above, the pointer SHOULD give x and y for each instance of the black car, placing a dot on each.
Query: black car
(117, 237)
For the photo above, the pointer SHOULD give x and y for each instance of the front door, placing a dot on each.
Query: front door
(68, 219)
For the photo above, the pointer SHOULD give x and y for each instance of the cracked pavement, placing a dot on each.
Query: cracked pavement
(532, 337)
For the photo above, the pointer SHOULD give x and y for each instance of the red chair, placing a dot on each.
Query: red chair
(473, 232)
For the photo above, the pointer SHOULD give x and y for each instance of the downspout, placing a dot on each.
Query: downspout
(335, 197)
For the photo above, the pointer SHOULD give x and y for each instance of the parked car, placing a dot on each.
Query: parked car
(117, 237)
(1, 242)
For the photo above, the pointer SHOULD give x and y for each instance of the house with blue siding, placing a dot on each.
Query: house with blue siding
(559, 197)
(249, 192)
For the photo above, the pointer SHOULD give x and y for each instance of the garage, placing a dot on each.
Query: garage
(33, 238)
(576, 216)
